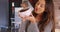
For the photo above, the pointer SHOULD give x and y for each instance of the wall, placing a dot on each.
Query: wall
(4, 10)
(57, 15)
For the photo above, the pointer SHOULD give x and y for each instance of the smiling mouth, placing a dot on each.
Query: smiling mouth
(36, 9)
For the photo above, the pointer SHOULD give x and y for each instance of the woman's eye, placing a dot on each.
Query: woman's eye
(38, 3)
(41, 5)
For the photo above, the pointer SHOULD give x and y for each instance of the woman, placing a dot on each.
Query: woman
(44, 15)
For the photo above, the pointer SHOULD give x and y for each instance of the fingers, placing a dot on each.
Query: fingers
(24, 19)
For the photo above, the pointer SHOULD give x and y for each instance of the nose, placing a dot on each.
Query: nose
(38, 5)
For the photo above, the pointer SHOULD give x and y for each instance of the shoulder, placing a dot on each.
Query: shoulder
(48, 27)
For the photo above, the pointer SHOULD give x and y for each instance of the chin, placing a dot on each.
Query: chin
(39, 12)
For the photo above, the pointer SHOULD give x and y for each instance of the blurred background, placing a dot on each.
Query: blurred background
(57, 15)
(4, 15)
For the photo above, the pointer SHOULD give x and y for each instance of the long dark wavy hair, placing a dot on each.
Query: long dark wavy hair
(47, 16)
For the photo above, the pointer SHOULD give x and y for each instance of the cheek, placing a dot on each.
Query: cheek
(42, 9)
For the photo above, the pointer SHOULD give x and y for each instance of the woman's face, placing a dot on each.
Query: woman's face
(40, 6)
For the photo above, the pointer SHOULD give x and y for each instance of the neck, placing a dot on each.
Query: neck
(40, 14)
(39, 17)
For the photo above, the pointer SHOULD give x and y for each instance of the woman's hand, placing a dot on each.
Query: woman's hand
(23, 18)
(31, 18)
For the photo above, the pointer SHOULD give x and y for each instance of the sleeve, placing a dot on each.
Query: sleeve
(33, 28)
(48, 28)
(23, 26)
